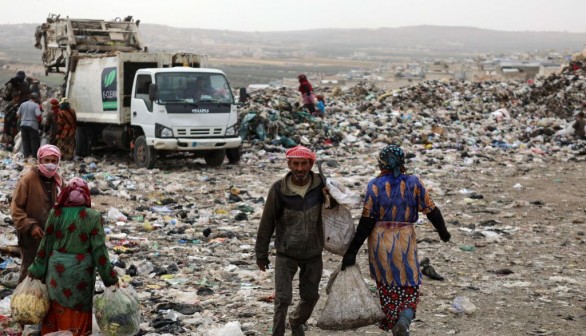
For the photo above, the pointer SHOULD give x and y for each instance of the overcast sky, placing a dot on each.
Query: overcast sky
(282, 15)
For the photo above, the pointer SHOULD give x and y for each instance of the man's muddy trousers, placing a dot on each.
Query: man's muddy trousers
(309, 277)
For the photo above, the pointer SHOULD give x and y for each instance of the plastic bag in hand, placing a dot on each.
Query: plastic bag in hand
(30, 302)
(118, 311)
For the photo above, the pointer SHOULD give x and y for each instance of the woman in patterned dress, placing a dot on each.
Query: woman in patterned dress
(66, 124)
(71, 250)
(392, 202)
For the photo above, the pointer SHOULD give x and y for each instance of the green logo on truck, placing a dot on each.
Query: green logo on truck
(109, 89)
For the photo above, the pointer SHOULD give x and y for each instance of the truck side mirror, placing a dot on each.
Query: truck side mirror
(243, 95)
(153, 92)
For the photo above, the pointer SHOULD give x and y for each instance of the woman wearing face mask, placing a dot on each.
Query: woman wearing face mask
(35, 194)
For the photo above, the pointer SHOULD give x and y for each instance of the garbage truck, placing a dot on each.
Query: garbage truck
(130, 98)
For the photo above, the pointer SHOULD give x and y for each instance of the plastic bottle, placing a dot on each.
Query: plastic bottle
(462, 305)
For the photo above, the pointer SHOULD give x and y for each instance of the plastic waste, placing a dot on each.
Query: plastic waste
(6, 263)
(146, 267)
(229, 329)
(116, 216)
(462, 305)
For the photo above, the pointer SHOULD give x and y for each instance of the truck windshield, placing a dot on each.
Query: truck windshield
(181, 88)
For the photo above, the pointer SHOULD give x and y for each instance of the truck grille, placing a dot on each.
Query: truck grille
(198, 132)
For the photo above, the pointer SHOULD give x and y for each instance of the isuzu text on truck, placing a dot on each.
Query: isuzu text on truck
(129, 98)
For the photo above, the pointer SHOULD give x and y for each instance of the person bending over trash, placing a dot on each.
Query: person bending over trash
(293, 211)
(391, 205)
(307, 95)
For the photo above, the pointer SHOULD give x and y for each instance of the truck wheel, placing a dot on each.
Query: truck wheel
(144, 155)
(82, 142)
(215, 158)
(233, 154)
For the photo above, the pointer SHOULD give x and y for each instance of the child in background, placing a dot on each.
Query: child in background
(321, 106)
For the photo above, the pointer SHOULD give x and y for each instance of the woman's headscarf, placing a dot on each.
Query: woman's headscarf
(304, 85)
(48, 150)
(392, 159)
(54, 104)
(76, 193)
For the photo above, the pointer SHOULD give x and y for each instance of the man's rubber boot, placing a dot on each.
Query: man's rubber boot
(401, 328)
(298, 330)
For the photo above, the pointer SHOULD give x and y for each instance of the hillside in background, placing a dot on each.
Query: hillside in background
(17, 39)
(411, 41)
(261, 57)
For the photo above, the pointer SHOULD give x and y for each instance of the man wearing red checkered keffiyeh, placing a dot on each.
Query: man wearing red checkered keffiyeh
(293, 212)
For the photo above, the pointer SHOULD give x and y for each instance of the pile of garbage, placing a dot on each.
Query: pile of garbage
(440, 114)
(183, 235)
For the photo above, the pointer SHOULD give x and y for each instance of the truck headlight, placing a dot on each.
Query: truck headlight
(231, 130)
(163, 131)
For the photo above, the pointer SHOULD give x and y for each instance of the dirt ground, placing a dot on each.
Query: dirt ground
(525, 278)
(543, 244)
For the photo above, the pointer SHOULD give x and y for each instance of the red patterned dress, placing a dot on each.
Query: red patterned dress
(70, 252)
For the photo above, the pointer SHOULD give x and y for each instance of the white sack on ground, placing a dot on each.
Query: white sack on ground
(350, 303)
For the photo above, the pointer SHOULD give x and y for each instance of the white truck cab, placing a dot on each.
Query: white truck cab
(183, 109)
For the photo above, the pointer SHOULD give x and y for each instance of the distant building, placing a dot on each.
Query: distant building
(515, 70)
(547, 69)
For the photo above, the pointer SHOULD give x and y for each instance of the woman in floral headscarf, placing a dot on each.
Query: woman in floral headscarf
(391, 205)
(71, 250)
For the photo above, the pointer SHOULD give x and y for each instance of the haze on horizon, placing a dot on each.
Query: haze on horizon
(288, 15)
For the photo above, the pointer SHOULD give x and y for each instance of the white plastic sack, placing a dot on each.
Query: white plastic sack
(17, 143)
(342, 194)
(338, 229)
(350, 303)
(230, 329)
